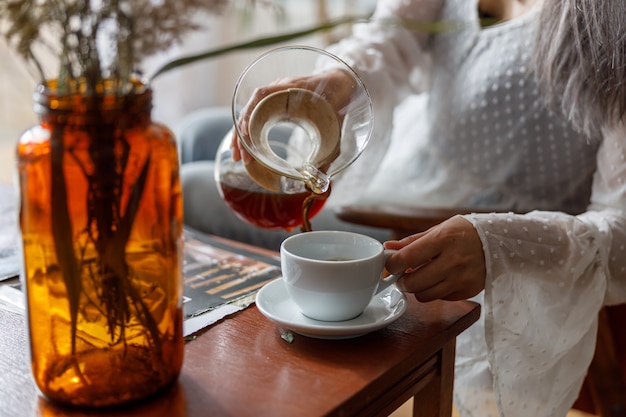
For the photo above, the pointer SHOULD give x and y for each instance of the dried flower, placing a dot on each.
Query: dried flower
(94, 40)
(97, 174)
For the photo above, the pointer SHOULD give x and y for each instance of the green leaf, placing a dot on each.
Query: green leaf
(257, 43)
(429, 27)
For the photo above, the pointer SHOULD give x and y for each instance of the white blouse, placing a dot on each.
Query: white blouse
(548, 274)
(481, 136)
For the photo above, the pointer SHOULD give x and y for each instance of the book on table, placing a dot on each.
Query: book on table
(218, 272)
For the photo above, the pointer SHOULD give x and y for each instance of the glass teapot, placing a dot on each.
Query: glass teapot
(301, 117)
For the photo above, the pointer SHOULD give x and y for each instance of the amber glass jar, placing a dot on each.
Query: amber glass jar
(101, 221)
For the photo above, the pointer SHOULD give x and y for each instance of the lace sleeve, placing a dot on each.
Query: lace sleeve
(393, 63)
(548, 274)
(391, 58)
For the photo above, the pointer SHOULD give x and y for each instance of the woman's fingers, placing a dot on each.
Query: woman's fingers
(413, 251)
(445, 262)
(438, 279)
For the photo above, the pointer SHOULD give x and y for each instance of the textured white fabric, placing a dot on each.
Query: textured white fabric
(393, 63)
(548, 274)
(481, 136)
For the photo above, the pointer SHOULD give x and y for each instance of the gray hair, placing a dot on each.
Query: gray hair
(581, 60)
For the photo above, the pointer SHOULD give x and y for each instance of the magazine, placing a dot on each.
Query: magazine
(10, 256)
(219, 272)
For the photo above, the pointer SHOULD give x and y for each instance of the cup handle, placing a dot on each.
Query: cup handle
(387, 281)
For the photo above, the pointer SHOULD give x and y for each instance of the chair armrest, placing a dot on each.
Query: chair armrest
(201, 132)
(400, 220)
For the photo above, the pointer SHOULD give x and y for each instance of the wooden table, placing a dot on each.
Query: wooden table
(242, 367)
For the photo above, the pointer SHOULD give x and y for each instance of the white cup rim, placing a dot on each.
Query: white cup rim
(318, 236)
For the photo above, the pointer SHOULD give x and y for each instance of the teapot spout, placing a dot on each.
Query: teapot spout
(316, 180)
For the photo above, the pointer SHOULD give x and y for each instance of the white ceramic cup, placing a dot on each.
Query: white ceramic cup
(333, 275)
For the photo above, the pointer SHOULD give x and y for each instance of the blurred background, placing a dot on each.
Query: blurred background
(207, 83)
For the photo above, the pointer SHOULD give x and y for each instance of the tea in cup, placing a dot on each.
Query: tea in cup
(333, 275)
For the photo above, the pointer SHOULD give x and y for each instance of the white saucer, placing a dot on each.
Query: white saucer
(274, 303)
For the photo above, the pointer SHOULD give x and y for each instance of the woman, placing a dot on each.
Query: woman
(545, 274)
(542, 277)
(481, 134)
(459, 121)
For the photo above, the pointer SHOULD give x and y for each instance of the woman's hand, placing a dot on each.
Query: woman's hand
(336, 81)
(445, 262)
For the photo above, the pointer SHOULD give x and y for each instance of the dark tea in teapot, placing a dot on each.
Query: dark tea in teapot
(297, 135)
(270, 210)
